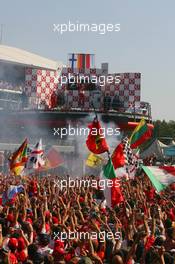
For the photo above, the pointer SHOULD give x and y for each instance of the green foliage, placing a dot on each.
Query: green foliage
(165, 131)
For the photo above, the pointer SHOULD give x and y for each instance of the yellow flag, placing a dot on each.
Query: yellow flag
(93, 160)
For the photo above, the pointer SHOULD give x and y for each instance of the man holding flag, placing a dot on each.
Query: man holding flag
(97, 144)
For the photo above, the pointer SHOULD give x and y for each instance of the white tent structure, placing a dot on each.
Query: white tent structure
(172, 144)
(156, 149)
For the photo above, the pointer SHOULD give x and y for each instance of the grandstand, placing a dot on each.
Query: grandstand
(32, 96)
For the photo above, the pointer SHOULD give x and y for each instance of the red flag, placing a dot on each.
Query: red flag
(96, 141)
(118, 157)
(116, 194)
(87, 61)
(54, 158)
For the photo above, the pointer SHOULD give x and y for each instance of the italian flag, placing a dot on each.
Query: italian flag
(140, 134)
(161, 177)
(112, 192)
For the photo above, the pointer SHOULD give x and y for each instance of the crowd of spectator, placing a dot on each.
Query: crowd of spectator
(11, 86)
(32, 224)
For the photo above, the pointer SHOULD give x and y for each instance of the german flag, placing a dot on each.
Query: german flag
(80, 61)
(85, 61)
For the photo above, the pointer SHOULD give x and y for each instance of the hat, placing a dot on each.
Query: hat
(47, 214)
(59, 250)
(55, 220)
(21, 243)
(103, 210)
(13, 243)
(59, 247)
(68, 257)
(81, 199)
(59, 243)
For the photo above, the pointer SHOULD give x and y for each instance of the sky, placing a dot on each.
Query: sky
(145, 42)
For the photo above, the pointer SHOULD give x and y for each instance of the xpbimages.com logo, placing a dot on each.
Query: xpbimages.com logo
(102, 184)
(85, 131)
(100, 28)
(101, 236)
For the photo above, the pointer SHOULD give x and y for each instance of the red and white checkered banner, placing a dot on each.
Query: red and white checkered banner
(40, 84)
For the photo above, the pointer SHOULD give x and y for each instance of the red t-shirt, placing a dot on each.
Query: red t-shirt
(21, 255)
(150, 193)
(172, 215)
(13, 259)
(149, 242)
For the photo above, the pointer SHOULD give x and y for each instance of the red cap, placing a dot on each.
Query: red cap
(47, 213)
(68, 257)
(59, 243)
(59, 250)
(21, 243)
(81, 199)
(13, 243)
(55, 220)
(103, 210)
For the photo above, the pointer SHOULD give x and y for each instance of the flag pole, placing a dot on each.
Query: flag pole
(109, 155)
(95, 112)
(1, 35)
(83, 163)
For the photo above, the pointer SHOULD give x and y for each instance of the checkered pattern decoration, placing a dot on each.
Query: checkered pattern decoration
(128, 90)
(128, 153)
(132, 161)
(73, 95)
(40, 85)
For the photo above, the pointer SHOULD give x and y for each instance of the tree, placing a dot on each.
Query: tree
(165, 130)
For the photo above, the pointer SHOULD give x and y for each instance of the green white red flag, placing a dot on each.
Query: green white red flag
(112, 192)
(161, 177)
